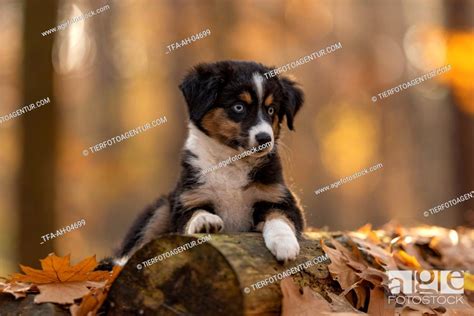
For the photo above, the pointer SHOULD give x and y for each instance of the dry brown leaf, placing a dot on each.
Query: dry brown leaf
(58, 281)
(339, 269)
(93, 301)
(464, 311)
(361, 296)
(378, 303)
(353, 256)
(296, 304)
(58, 269)
(419, 308)
(348, 263)
(90, 303)
(382, 256)
(374, 276)
(17, 289)
(65, 292)
(340, 305)
(311, 303)
(412, 250)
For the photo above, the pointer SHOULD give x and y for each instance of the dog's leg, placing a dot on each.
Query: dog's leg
(280, 238)
(153, 221)
(280, 224)
(204, 222)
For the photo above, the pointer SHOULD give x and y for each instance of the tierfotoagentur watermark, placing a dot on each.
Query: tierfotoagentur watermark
(303, 60)
(446, 205)
(129, 134)
(175, 251)
(25, 109)
(411, 83)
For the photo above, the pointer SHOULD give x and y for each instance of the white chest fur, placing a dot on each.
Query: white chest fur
(224, 187)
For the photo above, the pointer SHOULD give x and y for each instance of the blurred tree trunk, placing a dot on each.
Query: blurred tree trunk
(460, 17)
(37, 169)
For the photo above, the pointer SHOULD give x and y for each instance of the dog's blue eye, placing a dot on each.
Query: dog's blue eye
(239, 108)
(271, 110)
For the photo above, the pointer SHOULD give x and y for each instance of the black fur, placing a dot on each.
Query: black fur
(135, 233)
(294, 100)
(200, 90)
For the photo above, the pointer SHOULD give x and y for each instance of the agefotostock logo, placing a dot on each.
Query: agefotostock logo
(428, 287)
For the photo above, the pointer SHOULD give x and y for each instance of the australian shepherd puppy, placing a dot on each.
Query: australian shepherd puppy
(232, 108)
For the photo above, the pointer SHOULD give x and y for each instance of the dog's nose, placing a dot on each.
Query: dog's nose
(263, 138)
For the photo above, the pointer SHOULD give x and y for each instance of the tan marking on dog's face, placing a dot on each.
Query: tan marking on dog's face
(269, 100)
(276, 127)
(220, 127)
(246, 97)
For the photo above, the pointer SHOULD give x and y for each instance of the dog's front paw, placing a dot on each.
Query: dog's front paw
(280, 240)
(204, 222)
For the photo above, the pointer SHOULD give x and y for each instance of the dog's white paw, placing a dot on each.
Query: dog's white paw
(204, 222)
(280, 240)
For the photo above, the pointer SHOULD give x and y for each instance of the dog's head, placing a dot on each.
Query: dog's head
(233, 102)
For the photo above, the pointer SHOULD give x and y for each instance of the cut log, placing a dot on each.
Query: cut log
(9, 306)
(224, 276)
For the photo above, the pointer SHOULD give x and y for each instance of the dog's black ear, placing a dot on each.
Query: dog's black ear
(200, 88)
(293, 100)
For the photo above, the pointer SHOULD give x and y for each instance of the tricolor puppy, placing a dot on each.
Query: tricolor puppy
(232, 108)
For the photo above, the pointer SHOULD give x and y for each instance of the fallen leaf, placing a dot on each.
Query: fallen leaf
(354, 257)
(58, 281)
(408, 262)
(374, 276)
(369, 233)
(378, 304)
(58, 269)
(17, 289)
(355, 294)
(93, 301)
(339, 305)
(382, 256)
(65, 292)
(296, 304)
(339, 269)
(310, 303)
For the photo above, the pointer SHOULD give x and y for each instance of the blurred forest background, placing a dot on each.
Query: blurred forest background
(110, 73)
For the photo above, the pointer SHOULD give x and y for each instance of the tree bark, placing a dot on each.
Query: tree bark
(212, 278)
(9, 306)
(39, 134)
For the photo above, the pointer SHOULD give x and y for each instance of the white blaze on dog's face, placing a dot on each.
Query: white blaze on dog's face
(262, 132)
(233, 103)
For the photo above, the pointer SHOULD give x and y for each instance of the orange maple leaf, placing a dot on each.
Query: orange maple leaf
(93, 301)
(59, 282)
(58, 269)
